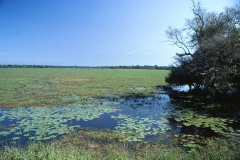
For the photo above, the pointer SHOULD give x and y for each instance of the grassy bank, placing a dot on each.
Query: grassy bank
(25, 87)
(96, 145)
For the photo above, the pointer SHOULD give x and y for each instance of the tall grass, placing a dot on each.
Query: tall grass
(54, 151)
(104, 144)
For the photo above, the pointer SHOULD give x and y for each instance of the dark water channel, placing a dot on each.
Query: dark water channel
(146, 117)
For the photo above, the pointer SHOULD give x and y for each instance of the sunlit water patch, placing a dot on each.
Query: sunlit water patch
(184, 88)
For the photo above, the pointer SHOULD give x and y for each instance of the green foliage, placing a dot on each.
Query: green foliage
(211, 51)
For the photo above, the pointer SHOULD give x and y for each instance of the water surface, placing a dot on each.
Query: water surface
(145, 117)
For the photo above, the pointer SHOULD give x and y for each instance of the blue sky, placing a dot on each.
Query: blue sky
(92, 32)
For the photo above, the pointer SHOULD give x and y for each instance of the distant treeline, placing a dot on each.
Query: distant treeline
(106, 67)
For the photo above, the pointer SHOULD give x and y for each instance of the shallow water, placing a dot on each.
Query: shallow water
(145, 117)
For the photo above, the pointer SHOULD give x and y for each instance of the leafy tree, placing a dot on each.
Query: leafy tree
(211, 50)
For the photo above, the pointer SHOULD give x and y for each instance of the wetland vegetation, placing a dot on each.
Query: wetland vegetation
(23, 87)
(109, 114)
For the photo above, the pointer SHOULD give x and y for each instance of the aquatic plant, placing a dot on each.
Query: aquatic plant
(44, 123)
(139, 127)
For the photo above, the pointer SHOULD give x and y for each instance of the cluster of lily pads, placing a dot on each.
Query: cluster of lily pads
(43, 123)
(143, 116)
(217, 124)
(137, 118)
(189, 118)
(140, 127)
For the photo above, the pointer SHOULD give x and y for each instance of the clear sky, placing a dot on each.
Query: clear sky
(92, 32)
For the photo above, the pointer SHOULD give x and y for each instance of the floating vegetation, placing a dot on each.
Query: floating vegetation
(200, 122)
(219, 125)
(44, 123)
(190, 142)
(145, 116)
(134, 119)
(140, 127)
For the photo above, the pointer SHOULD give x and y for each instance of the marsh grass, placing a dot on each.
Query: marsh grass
(89, 144)
(26, 87)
